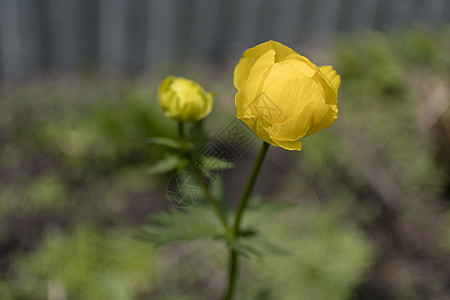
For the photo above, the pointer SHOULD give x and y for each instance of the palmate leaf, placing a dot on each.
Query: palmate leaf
(200, 222)
(253, 243)
(166, 164)
(213, 163)
(211, 166)
(177, 225)
(167, 142)
(258, 213)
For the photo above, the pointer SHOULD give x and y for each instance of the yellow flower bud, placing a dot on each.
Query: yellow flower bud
(184, 100)
(282, 96)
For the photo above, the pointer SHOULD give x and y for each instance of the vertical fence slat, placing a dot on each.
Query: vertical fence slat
(327, 17)
(287, 21)
(205, 23)
(135, 38)
(160, 31)
(112, 35)
(11, 40)
(393, 13)
(364, 12)
(245, 29)
(123, 34)
(31, 33)
(401, 11)
(63, 33)
(434, 10)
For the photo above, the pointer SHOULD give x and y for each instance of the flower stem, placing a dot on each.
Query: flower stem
(198, 175)
(232, 274)
(233, 261)
(249, 188)
(181, 131)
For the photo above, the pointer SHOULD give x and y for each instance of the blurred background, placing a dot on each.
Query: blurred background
(78, 82)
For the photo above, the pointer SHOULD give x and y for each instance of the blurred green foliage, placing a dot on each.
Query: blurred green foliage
(61, 139)
(325, 259)
(381, 133)
(74, 188)
(74, 154)
(387, 155)
(87, 263)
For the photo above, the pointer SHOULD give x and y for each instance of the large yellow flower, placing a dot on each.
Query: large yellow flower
(184, 100)
(282, 96)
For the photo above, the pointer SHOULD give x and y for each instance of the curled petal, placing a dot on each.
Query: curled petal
(332, 76)
(250, 56)
(289, 145)
(314, 117)
(258, 73)
(285, 94)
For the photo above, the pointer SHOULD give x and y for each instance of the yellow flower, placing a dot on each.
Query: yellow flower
(282, 96)
(184, 100)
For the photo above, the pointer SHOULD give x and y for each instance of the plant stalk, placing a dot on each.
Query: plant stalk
(198, 175)
(232, 274)
(233, 260)
(249, 188)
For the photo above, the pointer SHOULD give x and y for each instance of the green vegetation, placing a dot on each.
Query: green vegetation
(369, 194)
(88, 263)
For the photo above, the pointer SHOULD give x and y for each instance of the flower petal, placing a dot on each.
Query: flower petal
(329, 91)
(289, 145)
(314, 117)
(242, 106)
(286, 93)
(258, 73)
(208, 105)
(332, 76)
(250, 56)
(282, 96)
(184, 100)
(258, 127)
(190, 111)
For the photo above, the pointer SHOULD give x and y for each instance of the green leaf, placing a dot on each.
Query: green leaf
(176, 225)
(165, 165)
(247, 232)
(258, 213)
(184, 190)
(167, 142)
(253, 243)
(213, 163)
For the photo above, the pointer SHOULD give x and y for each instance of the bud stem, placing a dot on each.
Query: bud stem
(198, 175)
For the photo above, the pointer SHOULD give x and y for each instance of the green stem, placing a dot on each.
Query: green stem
(232, 274)
(249, 188)
(233, 262)
(181, 131)
(198, 175)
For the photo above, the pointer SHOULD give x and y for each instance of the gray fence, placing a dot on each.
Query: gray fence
(129, 35)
